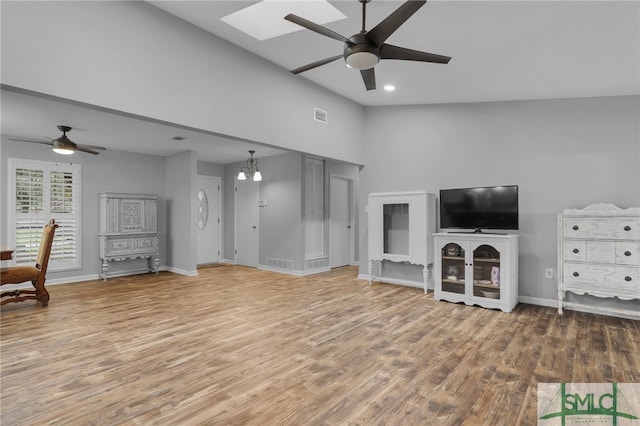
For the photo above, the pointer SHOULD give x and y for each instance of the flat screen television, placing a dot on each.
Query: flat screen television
(475, 209)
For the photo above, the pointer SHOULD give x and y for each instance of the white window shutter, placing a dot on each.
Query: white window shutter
(40, 191)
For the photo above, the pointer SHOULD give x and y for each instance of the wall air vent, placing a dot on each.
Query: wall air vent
(320, 115)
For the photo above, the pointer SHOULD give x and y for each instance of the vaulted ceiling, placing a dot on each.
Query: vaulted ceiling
(501, 50)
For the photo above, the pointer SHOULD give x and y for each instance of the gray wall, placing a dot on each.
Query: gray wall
(181, 212)
(281, 225)
(561, 153)
(228, 197)
(210, 169)
(132, 57)
(111, 171)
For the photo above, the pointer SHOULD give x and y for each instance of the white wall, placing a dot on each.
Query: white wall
(132, 57)
(561, 153)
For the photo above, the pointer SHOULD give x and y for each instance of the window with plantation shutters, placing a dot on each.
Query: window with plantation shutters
(39, 191)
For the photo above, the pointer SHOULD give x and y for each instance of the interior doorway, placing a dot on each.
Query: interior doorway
(341, 230)
(246, 222)
(208, 223)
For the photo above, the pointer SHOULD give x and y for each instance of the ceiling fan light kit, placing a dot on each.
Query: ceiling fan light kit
(62, 150)
(65, 146)
(362, 60)
(364, 50)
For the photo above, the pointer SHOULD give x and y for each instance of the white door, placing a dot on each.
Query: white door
(246, 222)
(208, 220)
(340, 222)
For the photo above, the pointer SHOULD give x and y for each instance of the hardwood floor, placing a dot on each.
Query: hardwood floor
(238, 346)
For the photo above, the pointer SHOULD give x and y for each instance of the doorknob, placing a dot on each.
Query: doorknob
(253, 227)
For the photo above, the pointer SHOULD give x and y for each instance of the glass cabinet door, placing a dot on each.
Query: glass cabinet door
(453, 268)
(395, 229)
(486, 272)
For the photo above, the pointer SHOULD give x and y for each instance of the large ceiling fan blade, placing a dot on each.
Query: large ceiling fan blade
(83, 148)
(369, 78)
(315, 64)
(388, 51)
(316, 28)
(32, 141)
(93, 147)
(381, 32)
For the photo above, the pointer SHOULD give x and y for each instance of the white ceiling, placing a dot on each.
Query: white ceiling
(501, 50)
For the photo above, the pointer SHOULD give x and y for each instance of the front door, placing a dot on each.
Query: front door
(208, 220)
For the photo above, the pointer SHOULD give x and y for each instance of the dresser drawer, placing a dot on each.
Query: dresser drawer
(602, 228)
(118, 245)
(575, 250)
(614, 252)
(627, 253)
(603, 276)
(145, 243)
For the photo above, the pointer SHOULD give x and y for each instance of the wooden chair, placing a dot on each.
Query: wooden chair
(35, 274)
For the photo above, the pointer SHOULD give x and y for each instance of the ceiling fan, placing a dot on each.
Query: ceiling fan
(364, 50)
(64, 145)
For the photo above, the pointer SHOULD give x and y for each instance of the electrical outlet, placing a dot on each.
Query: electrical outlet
(548, 273)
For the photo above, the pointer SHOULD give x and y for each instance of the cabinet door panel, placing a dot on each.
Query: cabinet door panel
(132, 215)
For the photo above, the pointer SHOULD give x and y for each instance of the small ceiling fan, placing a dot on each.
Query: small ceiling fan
(364, 50)
(64, 145)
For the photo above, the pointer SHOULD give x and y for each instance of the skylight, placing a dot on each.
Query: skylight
(265, 20)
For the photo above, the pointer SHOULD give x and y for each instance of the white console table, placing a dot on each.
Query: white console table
(401, 225)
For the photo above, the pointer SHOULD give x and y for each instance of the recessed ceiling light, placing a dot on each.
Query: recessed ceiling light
(389, 87)
(265, 19)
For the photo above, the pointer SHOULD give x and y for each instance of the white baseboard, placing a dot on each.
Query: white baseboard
(399, 281)
(228, 261)
(295, 273)
(78, 279)
(551, 303)
(182, 271)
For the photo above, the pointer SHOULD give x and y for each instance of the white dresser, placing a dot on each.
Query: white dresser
(599, 254)
(128, 229)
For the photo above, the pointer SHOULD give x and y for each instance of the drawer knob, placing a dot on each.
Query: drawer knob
(627, 228)
(627, 278)
(575, 274)
(627, 253)
(575, 227)
(576, 251)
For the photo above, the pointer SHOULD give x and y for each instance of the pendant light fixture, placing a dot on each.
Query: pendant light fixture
(250, 169)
